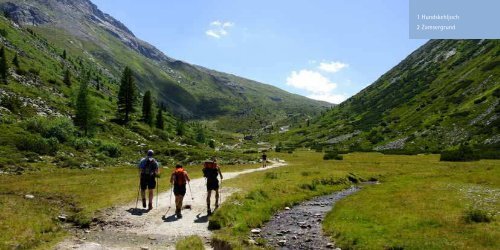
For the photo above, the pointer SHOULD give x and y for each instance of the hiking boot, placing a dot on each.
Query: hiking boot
(179, 215)
(209, 212)
(144, 203)
(150, 206)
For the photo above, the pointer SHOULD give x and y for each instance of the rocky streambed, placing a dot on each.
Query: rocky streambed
(300, 227)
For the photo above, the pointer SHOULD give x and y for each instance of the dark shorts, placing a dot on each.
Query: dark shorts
(180, 189)
(212, 184)
(148, 182)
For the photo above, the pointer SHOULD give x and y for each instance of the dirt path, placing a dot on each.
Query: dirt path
(124, 227)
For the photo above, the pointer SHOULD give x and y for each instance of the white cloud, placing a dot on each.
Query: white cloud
(328, 97)
(318, 86)
(227, 24)
(332, 67)
(215, 23)
(212, 33)
(218, 29)
(311, 81)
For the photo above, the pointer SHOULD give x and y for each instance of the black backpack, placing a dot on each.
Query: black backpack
(150, 167)
(210, 173)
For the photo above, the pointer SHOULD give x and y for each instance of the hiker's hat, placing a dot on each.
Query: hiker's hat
(150, 152)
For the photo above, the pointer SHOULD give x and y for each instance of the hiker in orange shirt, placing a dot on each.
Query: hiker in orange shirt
(179, 179)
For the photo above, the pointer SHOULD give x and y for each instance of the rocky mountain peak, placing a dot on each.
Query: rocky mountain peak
(75, 17)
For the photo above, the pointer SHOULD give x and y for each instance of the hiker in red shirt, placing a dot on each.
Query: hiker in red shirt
(179, 179)
(210, 171)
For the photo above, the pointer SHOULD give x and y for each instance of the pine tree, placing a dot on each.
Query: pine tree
(126, 95)
(15, 61)
(200, 133)
(4, 68)
(211, 143)
(64, 55)
(67, 78)
(180, 128)
(160, 123)
(85, 115)
(147, 108)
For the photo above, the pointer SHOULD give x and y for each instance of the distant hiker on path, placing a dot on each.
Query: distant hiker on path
(210, 171)
(148, 169)
(264, 159)
(179, 179)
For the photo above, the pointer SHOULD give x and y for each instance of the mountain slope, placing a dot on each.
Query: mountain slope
(188, 90)
(443, 94)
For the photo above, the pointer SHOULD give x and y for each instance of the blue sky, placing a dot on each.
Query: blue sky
(323, 49)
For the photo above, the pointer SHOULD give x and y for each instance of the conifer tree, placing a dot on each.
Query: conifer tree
(64, 55)
(3, 66)
(67, 78)
(15, 61)
(126, 95)
(200, 133)
(180, 128)
(160, 123)
(147, 108)
(85, 113)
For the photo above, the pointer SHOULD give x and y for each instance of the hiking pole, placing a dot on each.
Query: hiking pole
(138, 191)
(189, 184)
(157, 188)
(220, 192)
(170, 202)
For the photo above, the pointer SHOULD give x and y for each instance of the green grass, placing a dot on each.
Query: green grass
(190, 243)
(423, 207)
(422, 203)
(305, 176)
(79, 193)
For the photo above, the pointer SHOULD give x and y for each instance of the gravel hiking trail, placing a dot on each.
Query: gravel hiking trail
(125, 227)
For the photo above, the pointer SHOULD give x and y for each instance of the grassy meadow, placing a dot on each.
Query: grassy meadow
(421, 203)
(78, 193)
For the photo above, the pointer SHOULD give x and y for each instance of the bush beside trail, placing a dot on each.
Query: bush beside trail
(463, 153)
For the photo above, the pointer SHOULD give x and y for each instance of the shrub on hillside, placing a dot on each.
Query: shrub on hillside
(38, 144)
(317, 147)
(488, 151)
(110, 149)
(491, 65)
(21, 72)
(12, 103)
(463, 153)
(82, 143)
(332, 155)
(279, 147)
(496, 92)
(480, 100)
(49, 127)
(475, 215)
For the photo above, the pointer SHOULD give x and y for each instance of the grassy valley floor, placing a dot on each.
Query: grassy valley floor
(421, 203)
(78, 193)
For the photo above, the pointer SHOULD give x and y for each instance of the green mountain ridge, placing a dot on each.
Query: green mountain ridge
(187, 90)
(444, 94)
